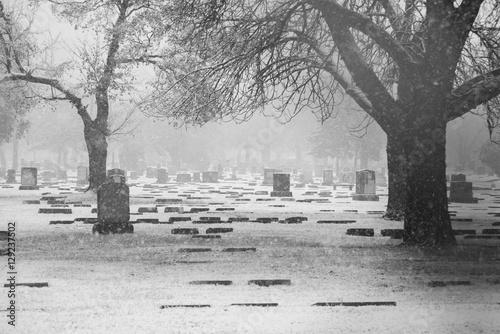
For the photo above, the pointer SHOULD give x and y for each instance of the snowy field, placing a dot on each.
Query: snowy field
(130, 283)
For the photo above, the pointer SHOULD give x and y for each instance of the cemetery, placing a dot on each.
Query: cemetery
(230, 254)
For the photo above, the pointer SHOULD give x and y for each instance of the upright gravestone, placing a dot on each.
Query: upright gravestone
(281, 185)
(117, 175)
(461, 192)
(458, 178)
(82, 175)
(268, 177)
(210, 177)
(306, 177)
(196, 177)
(28, 178)
(365, 186)
(183, 177)
(62, 175)
(11, 176)
(161, 175)
(113, 206)
(327, 177)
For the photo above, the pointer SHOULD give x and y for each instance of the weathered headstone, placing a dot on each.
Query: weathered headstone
(151, 172)
(82, 175)
(346, 177)
(161, 175)
(327, 177)
(113, 207)
(117, 175)
(28, 178)
(458, 178)
(365, 186)
(461, 192)
(281, 185)
(196, 177)
(210, 177)
(62, 175)
(183, 177)
(11, 176)
(268, 176)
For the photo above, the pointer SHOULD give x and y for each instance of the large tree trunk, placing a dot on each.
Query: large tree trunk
(97, 147)
(396, 169)
(427, 221)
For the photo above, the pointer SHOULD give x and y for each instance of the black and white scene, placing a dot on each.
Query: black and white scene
(250, 166)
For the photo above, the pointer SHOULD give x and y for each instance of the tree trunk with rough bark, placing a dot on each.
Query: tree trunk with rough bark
(97, 147)
(396, 178)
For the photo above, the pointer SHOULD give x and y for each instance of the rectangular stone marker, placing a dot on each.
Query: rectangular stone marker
(268, 176)
(365, 186)
(461, 192)
(113, 208)
(327, 177)
(458, 177)
(28, 178)
(151, 172)
(184, 177)
(62, 175)
(82, 175)
(306, 177)
(11, 176)
(196, 177)
(281, 185)
(161, 175)
(210, 177)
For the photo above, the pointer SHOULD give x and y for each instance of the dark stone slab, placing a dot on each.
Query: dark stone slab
(30, 285)
(224, 209)
(178, 219)
(496, 224)
(146, 221)
(61, 222)
(55, 210)
(203, 236)
(216, 219)
(266, 220)
(362, 232)
(173, 209)
(343, 221)
(114, 228)
(270, 282)
(194, 250)
(435, 284)
(355, 304)
(491, 231)
(148, 209)
(394, 233)
(211, 282)
(188, 306)
(185, 231)
(168, 200)
(239, 249)
(461, 220)
(31, 202)
(214, 230)
(197, 210)
(482, 237)
(82, 205)
(238, 219)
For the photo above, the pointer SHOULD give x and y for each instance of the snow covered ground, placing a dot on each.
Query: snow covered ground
(119, 283)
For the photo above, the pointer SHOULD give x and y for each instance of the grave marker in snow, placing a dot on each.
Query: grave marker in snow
(184, 177)
(365, 186)
(161, 175)
(196, 177)
(268, 177)
(461, 192)
(327, 177)
(11, 176)
(28, 178)
(458, 178)
(82, 175)
(113, 207)
(62, 175)
(281, 185)
(210, 177)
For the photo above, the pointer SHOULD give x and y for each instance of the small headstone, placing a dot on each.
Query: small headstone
(461, 192)
(161, 175)
(28, 179)
(11, 176)
(62, 175)
(268, 176)
(458, 177)
(82, 175)
(281, 185)
(113, 208)
(196, 177)
(210, 177)
(365, 186)
(327, 177)
(182, 178)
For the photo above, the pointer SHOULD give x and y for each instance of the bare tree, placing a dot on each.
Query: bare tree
(411, 65)
(125, 34)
